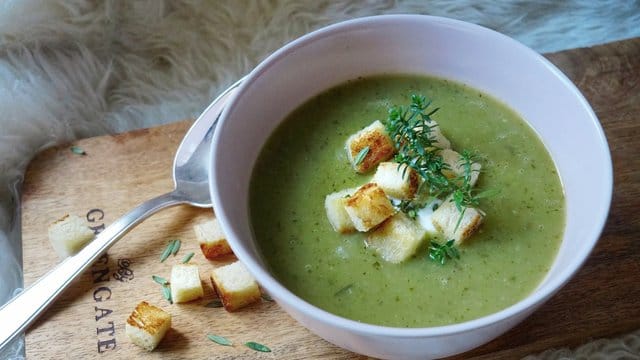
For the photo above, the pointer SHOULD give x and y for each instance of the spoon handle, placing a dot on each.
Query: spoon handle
(17, 314)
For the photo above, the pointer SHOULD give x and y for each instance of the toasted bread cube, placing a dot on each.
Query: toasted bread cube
(446, 217)
(456, 166)
(398, 181)
(336, 213)
(213, 241)
(185, 283)
(69, 235)
(368, 207)
(235, 286)
(377, 140)
(147, 325)
(396, 239)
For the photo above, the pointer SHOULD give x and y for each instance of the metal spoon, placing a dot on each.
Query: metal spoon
(190, 177)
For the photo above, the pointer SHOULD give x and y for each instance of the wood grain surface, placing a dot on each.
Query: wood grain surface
(123, 170)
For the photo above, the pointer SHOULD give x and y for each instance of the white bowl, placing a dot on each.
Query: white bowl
(446, 48)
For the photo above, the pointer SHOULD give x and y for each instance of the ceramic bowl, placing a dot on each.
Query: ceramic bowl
(466, 53)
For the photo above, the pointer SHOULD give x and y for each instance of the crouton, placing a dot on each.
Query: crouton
(374, 138)
(235, 286)
(398, 181)
(147, 325)
(397, 238)
(456, 166)
(185, 283)
(368, 207)
(446, 217)
(213, 242)
(69, 235)
(338, 218)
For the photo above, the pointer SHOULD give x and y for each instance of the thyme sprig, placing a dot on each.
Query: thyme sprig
(411, 130)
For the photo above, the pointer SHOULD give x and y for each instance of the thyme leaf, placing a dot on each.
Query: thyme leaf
(361, 155)
(166, 292)
(256, 346)
(159, 280)
(176, 246)
(187, 257)
(78, 150)
(172, 248)
(167, 251)
(220, 340)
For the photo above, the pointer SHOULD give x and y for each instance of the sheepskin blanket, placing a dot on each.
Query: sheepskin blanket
(79, 68)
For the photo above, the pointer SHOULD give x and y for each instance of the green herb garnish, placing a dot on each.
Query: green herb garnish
(166, 252)
(166, 292)
(257, 347)
(172, 248)
(78, 150)
(187, 257)
(441, 253)
(216, 303)
(361, 155)
(410, 128)
(176, 246)
(219, 340)
(159, 280)
(266, 297)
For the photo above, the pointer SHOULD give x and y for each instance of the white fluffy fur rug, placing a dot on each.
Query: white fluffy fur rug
(79, 68)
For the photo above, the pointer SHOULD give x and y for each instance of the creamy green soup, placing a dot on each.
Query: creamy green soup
(304, 160)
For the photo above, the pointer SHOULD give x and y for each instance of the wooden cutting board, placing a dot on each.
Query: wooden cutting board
(118, 172)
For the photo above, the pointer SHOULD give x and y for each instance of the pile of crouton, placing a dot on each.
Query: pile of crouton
(147, 324)
(370, 207)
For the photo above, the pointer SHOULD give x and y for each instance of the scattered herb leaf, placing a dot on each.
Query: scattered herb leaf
(441, 253)
(257, 347)
(167, 251)
(361, 155)
(266, 297)
(160, 280)
(176, 246)
(215, 303)
(187, 257)
(166, 292)
(343, 290)
(78, 150)
(219, 340)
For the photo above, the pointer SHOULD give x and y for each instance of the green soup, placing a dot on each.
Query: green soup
(304, 160)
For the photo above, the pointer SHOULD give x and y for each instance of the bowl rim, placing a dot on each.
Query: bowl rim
(280, 292)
